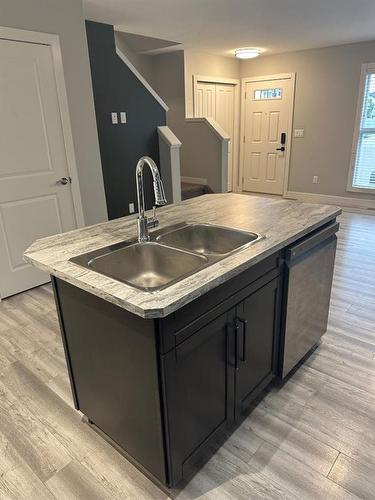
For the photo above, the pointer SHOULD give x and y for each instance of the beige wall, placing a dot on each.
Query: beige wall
(168, 82)
(65, 18)
(144, 64)
(200, 63)
(327, 84)
(201, 148)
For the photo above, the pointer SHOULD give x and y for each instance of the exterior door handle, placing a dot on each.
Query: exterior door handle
(282, 142)
(64, 180)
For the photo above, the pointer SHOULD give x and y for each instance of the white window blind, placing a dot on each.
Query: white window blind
(364, 165)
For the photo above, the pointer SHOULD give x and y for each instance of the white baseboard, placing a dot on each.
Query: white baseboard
(341, 201)
(193, 180)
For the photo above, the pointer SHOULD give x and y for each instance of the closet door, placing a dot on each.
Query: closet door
(225, 118)
(217, 101)
(205, 100)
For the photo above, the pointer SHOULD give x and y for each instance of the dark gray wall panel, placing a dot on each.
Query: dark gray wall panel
(116, 88)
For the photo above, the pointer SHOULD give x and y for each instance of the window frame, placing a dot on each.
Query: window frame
(367, 68)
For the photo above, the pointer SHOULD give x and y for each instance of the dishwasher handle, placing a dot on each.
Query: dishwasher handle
(295, 251)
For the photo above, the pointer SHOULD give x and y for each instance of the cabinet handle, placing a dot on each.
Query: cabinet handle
(244, 334)
(231, 327)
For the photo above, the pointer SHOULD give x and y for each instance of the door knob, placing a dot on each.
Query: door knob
(64, 180)
(280, 149)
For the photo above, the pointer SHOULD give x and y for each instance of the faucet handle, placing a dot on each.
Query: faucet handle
(153, 221)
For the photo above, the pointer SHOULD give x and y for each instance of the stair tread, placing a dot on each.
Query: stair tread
(189, 190)
(185, 186)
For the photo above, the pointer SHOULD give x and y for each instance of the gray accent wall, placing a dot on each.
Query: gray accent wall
(65, 18)
(327, 86)
(116, 88)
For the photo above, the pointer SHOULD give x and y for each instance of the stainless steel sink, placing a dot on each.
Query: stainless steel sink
(207, 239)
(174, 253)
(148, 266)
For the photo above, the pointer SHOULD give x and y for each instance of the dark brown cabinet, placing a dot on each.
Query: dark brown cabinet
(212, 377)
(167, 391)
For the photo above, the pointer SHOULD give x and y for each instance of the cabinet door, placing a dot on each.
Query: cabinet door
(257, 324)
(199, 390)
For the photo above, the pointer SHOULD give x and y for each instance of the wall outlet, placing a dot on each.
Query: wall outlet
(131, 208)
(299, 132)
(114, 117)
(315, 179)
(123, 117)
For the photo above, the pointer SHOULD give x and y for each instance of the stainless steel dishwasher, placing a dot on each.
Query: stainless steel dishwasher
(309, 273)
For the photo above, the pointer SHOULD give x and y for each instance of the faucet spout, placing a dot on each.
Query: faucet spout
(143, 222)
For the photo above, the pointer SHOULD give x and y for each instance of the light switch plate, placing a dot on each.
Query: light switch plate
(131, 208)
(114, 117)
(123, 117)
(299, 132)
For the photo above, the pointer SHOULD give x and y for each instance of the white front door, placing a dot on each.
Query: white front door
(217, 101)
(32, 159)
(267, 134)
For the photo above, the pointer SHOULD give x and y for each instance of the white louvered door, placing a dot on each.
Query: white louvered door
(217, 101)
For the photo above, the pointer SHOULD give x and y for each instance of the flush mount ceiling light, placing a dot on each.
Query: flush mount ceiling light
(247, 53)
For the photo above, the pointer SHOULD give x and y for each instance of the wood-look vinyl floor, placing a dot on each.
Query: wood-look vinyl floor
(314, 438)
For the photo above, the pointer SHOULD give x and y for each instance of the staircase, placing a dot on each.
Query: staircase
(193, 190)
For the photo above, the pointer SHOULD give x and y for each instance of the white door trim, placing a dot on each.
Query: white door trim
(54, 42)
(250, 79)
(263, 78)
(236, 186)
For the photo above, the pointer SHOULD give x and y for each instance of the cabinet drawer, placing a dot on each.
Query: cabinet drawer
(178, 326)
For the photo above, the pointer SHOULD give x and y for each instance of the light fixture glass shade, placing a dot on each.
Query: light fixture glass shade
(247, 53)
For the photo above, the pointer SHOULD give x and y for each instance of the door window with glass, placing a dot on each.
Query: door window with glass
(362, 173)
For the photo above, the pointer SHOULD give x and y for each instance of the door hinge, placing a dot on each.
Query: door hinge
(244, 139)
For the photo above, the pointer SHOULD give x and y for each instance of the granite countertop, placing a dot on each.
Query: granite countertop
(281, 222)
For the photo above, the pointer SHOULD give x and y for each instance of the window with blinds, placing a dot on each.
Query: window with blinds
(363, 170)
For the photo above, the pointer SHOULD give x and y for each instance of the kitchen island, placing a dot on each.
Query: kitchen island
(164, 375)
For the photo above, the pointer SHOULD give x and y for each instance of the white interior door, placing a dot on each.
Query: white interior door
(32, 159)
(225, 118)
(267, 116)
(217, 101)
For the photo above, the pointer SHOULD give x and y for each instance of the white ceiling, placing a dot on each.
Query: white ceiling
(219, 26)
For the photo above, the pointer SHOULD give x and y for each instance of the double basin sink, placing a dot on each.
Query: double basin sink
(172, 254)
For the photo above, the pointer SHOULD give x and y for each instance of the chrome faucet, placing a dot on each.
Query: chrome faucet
(143, 222)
